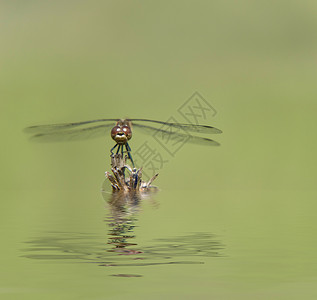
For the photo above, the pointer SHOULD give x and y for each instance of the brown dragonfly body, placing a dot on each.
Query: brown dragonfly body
(121, 133)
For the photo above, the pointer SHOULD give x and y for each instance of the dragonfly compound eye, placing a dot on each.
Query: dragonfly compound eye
(127, 131)
(115, 130)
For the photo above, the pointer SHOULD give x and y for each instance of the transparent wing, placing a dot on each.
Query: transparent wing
(176, 136)
(64, 126)
(73, 135)
(187, 127)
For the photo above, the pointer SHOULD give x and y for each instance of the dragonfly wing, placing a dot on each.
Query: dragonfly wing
(197, 140)
(177, 136)
(64, 126)
(187, 127)
(72, 135)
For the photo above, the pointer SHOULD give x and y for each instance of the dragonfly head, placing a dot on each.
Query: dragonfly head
(121, 133)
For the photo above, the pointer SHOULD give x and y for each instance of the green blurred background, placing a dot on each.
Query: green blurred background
(253, 61)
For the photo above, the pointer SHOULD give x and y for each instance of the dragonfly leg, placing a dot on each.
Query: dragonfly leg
(128, 148)
(129, 154)
(122, 151)
(118, 150)
(114, 147)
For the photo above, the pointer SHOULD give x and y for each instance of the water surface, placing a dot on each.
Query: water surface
(233, 245)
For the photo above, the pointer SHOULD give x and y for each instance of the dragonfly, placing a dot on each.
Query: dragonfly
(121, 132)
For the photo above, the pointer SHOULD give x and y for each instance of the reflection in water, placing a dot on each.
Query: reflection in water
(123, 209)
(83, 247)
(121, 221)
(121, 249)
